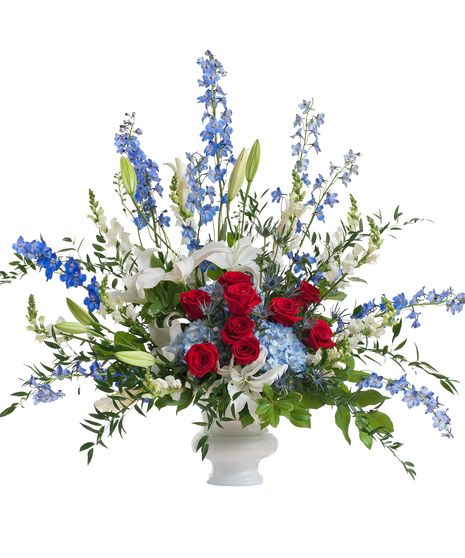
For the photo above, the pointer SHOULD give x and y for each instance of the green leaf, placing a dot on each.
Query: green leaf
(357, 280)
(370, 397)
(86, 446)
(342, 421)
(299, 414)
(300, 423)
(268, 392)
(399, 347)
(340, 296)
(202, 441)
(98, 247)
(19, 394)
(247, 421)
(380, 419)
(90, 454)
(204, 451)
(156, 307)
(9, 410)
(263, 409)
(284, 406)
(366, 439)
(396, 329)
(273, 416)
(312, 402)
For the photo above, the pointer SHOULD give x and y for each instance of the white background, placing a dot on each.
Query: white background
(388, 78)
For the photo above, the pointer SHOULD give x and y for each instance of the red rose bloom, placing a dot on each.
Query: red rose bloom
(241, 299)
(306, 294)
(234, 278)
(283, 311)
(191, 301)
(202, 358)
(246, 350)
(237, 327)
(319, 336)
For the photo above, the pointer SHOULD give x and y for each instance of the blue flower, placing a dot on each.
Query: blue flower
(208, 212)
(164, 220)
(399, 301)
(73, 276)
(61, 373)
(297, 148)
(188, 232)
(345, 178)
(332, 168)
(276, 195)
(45, 394)
(92, 301)
(441, 420)
(331, 199)
(411, 397)
(283, 347)
(397, 385)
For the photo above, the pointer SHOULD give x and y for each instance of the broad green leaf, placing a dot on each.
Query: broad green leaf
(268, 392)
(342, 418)
(312, 402)
(273, 416)
(380, 419)
(366, 439)
(370, 397)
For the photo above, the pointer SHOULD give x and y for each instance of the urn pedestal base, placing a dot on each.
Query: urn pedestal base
(236, 452)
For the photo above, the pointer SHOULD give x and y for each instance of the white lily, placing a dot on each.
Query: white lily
(183, 188)
(244, 379)
(170, 330)
(182, 269)
(240, 258)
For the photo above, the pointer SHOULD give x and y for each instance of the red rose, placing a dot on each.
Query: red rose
(202, 358)
(246, 350)
(191, 301)
(319, 336)
(306, 294)
(241, 299)
(283, 311)
(234, 278)
(237, 327)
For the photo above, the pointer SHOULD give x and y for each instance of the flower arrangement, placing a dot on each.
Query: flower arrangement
(244, 316)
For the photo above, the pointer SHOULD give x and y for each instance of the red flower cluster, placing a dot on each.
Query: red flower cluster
(319, 336)
(241, 298)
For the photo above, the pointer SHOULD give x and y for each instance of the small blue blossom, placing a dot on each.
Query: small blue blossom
(73, 277)
(345, 178)
(61, 373)
(164, 220)
(276, 195)
(208, 212)
(330, 199)
(411, 397)
(45, 394)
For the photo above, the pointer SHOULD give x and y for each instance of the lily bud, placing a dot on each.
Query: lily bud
(136, 358)
(237, 175)
(252, 162)
(79, 313)
(71, 327)
(128, 175)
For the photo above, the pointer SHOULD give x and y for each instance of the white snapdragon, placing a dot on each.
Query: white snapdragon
(333, 272)
(116, 316)
(348, 264)
(115, 233)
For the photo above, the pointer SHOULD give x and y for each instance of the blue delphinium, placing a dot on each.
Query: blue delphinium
(92, 301)
(61, 373)
(38, 251)
(374, 381)
(146, 170)
(306, 135)
(44, 393)
(73, 276)
(283, 347)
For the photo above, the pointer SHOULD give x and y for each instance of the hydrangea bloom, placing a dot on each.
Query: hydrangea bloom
(283, 347)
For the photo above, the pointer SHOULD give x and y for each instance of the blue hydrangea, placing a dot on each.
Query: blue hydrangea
(283, 347)
(196, 332)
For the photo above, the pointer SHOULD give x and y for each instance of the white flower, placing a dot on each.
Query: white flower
(358, 249)
(182, 269)
(331, 275)
(333, 354)
(314, 359)
(117, 317)
(337, 237)
(132, 312)
(355, 326)
(106, 404)
(243, 379)
(176, 386)
(240, 258)
(183, 188)
(348, 264)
